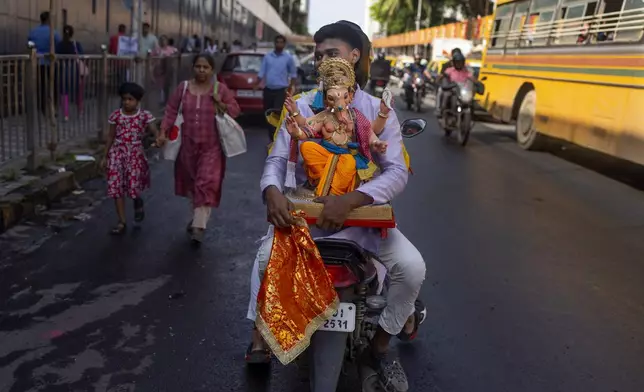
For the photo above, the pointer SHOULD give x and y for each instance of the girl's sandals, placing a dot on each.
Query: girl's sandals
(139, 211)
(119, 229)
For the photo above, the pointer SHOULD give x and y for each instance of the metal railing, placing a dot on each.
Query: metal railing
(619, 26)
(85, 92)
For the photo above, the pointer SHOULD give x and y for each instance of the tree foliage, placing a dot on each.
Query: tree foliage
(399, 16)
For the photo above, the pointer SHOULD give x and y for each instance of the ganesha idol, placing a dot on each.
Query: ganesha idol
(342, 159)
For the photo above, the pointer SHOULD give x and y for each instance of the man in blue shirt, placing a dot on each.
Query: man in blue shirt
(278, 73)
(40, 37)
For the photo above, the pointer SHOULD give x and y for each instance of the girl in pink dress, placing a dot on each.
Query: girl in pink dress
(128, 174)
(201, 164)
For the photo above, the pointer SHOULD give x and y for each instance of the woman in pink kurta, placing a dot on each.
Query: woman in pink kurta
(200, 166)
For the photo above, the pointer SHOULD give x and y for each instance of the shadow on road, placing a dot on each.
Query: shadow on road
(617, 169)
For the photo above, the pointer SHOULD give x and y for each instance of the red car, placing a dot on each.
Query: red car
(239, 72)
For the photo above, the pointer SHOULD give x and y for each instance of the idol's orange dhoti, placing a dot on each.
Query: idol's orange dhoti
(296, 295)
(336, 173)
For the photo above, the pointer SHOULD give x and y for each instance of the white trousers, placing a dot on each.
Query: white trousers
(406, 270)
(200, 217)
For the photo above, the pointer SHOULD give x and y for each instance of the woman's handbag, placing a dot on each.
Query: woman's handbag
(173, 145)
(83, 69)
(231, 134)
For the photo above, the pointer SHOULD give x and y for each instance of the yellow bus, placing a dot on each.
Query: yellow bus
(571, 70)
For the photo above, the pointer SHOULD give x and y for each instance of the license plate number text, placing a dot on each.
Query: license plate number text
(344, 319)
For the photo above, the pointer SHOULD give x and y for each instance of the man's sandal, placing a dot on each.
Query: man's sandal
(260, 356)
(420, 313)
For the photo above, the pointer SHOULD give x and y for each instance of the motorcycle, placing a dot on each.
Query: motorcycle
(361, 283)
(414, 90)
(457, 114)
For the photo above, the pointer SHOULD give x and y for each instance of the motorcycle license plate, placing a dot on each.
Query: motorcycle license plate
(344, 320)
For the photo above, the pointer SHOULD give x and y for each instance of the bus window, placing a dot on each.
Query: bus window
(539, 25)
(517, 24)
(574, 21)
(629, 28)
(501, 25)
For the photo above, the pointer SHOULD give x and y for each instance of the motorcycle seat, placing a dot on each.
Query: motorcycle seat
(339, 251)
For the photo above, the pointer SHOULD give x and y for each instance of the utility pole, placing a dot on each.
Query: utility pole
(281, 10)
(53, 123)
(419, 8)
(137, 23)
(290, 13)
(202, 9)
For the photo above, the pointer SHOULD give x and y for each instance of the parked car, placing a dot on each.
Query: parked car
(239, 72)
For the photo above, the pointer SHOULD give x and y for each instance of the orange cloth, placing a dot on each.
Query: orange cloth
(319, 162)
(296, 295)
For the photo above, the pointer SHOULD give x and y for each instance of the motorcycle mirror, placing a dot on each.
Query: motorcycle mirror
(412, 127)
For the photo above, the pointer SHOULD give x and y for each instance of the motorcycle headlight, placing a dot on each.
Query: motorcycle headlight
(418, 81)
(466, 94)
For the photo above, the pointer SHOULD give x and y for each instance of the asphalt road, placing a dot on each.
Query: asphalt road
(534, 281)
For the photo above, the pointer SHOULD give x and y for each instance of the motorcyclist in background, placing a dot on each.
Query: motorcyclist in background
(457, 73)
(439, 89)
(417, 66)
(380, 70)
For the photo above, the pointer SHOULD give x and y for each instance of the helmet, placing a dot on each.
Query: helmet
(458, 59)
(423, 62)
(381, 56)
(455, 51)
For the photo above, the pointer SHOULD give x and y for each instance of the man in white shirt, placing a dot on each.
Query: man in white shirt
(148, 42)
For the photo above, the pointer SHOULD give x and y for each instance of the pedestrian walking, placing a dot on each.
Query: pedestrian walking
(201, 164)
(128, 174)
(71, 73)
(210, 47)
(278, 73)
(163, 67)
(40, 37)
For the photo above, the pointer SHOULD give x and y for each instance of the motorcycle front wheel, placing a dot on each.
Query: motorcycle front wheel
(464, 127)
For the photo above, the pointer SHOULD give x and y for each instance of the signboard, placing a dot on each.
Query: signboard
(128, 46)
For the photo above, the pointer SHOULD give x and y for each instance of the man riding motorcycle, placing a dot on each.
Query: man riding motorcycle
(457, 73)
(417, 69)
(403, 313)
(380, 70)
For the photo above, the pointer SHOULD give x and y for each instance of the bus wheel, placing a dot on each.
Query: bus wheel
(527, 135)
